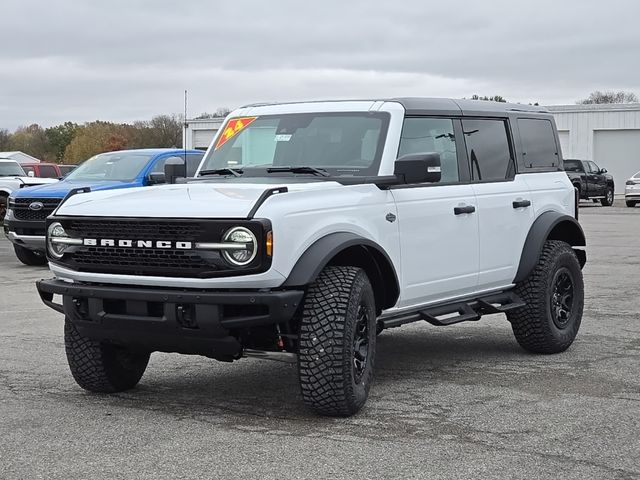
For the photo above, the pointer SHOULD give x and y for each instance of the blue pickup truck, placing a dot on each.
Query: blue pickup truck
(28, 208)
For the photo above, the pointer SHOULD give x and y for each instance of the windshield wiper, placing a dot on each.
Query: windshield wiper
(321, 172)
(222, 171)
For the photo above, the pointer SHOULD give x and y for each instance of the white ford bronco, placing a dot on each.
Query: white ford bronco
(311, 227)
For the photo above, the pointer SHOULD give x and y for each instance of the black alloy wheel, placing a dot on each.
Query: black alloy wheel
(562, 298)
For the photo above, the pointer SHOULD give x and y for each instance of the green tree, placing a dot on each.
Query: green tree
(60, 137)
(5, 140)
(33, 141)
(97, 137)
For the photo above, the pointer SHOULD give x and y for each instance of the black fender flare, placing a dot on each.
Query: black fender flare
(550, 226)
(324, 250)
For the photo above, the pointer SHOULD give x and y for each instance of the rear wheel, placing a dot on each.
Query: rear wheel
(29, 257)
(607, 201)
(630, 203)
(102, 367)
(554, 296)
(337, 341)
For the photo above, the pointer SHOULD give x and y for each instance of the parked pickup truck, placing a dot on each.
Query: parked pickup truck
(47, 170)
(592, 182)
(13, 177)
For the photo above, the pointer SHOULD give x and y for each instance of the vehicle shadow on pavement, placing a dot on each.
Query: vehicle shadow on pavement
(193, 386)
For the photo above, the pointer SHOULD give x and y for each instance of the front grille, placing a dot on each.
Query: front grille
(21, 209)
(171, 262)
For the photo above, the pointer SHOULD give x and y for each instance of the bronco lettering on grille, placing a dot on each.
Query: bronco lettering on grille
(110, 242)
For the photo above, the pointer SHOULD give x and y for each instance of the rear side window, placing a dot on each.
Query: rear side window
(488, 149)
(432, 135)
(47, 171)
(539, 148)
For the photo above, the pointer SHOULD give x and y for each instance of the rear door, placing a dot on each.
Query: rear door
(438, 240)
(505, 212)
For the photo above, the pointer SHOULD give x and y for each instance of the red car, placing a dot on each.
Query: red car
(47, 170)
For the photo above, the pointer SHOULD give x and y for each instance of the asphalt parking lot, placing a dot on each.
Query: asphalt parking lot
(456, 402)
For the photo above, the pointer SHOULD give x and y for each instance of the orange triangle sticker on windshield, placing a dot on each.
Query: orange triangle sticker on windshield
(232, 128)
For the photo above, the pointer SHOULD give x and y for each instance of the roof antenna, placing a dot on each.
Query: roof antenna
(184, 131)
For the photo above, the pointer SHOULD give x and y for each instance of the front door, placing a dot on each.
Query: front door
(438, 223)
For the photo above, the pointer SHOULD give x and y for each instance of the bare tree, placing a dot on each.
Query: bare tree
(494, 98)
(609, 96)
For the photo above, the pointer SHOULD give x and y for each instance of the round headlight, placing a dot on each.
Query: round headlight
(246, 249)
(56, 231)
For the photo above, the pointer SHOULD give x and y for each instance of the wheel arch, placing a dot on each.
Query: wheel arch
(550, 226)
(345, 248)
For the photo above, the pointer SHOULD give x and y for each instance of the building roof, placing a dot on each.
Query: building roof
(22, 155)
(594, 107)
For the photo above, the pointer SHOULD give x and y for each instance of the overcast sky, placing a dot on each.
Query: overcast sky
(129, 60)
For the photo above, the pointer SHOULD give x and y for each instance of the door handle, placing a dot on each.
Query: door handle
(521, 203)
(465, 209)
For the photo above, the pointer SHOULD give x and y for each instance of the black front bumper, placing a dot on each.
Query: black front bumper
(199, 322)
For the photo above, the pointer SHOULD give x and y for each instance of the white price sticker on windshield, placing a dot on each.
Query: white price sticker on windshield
(282, 138)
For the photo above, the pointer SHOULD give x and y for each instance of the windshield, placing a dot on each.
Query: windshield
(338, 143)
(115, 166)
(572, 166)
(11, 169)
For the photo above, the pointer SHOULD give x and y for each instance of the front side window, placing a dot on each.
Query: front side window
(113, 166)
(488, 149)
(192, 164)
(11, 169)
(432, 135)
(340, 143)
(593, 167)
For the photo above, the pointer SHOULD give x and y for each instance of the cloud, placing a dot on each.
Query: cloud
(127, 60)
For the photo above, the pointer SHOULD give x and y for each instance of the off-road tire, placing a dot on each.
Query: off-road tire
(29, 257)
(608, 199)
(333, 379)
(102, 367)
(533, 325)
(630, 203)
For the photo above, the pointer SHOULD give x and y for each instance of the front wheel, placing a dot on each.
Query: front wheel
(100, 366)
(337, 342)
(554, 297)
(607, 201)
(630, 203)
(29, 257)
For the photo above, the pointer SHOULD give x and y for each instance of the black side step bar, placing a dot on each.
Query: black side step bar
(449, 314)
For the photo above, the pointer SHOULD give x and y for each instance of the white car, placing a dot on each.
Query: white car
(13, 177)
(310, 228)
(632, 190)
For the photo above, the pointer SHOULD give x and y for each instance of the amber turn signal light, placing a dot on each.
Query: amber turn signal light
(269, 243)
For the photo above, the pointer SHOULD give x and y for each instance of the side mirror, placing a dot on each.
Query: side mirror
(418, 168)
(156, 178)
(174, 168)
(603, 170)
(31, 174)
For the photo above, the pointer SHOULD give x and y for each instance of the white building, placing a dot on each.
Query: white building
(200, 132)
(19, 157)
(607, 134)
